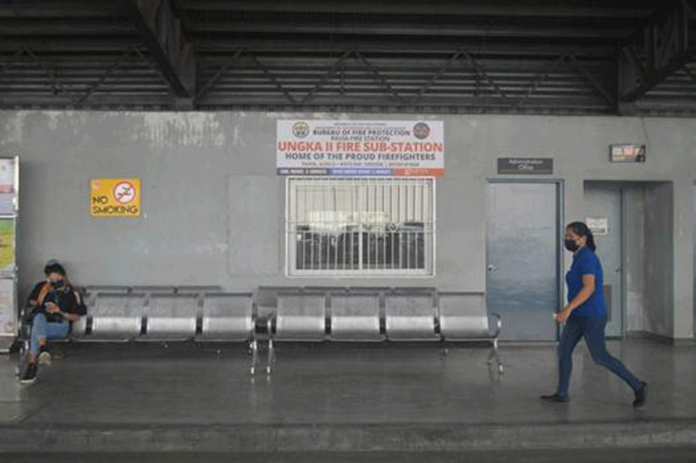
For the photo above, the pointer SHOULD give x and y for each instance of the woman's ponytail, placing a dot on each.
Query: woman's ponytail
(590, 241)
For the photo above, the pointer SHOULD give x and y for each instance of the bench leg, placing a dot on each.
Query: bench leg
(22, 356)
(271, 356)
(495, 356)
(254, 355)
(271, 351)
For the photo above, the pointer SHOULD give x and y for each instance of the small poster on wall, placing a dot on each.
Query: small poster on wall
(7, 186)
(7, 248)
(7, 309)
(598, 226)
(627, 153)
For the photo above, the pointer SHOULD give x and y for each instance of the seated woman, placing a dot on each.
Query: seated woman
(53, 306)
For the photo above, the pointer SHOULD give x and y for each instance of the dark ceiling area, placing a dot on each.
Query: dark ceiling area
(503, 57)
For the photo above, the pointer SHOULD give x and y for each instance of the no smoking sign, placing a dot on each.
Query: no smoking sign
(115, 197)
(124, 192)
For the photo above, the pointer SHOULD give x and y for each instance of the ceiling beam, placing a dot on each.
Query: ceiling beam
(417, 8)
(58, 45)
(400, 47)
(161, 32)
(100, 27)
(656, 51)
(471, 29)
(59, 9)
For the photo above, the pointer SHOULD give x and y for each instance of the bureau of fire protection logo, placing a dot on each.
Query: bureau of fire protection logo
(421, 131)
(300, 129)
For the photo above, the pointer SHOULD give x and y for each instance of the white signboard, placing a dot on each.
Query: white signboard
(360, 148)
(598, 226)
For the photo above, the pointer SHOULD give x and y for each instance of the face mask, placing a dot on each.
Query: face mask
(58, 284)
(571, 245)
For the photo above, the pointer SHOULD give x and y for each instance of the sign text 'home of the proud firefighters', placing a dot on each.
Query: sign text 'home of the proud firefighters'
(360, 148)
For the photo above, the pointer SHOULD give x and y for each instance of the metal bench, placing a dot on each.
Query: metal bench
(171, 317)
(196, 289)
(162, 313)
(94, 289)
(89, 293)
(227, 317)
(115, 316)
(464, 317)
(300, 316)
(78, 329)
(355, 316)
(411, 316)
(154, 289)
(266, 298)
(312, 314)
(265, 317)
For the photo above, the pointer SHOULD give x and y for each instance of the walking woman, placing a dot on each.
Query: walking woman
(585, 316)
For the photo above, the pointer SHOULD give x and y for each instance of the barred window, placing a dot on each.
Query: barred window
(357, 227)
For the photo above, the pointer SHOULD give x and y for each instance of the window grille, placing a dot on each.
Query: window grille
(360, 227)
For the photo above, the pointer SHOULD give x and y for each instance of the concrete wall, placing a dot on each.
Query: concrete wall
(213, 207)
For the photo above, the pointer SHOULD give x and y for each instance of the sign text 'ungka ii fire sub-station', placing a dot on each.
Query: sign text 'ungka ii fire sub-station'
(360, 148)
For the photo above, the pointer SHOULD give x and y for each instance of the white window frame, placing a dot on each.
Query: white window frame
(290, 232)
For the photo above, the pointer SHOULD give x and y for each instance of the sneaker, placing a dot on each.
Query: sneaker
(45, 357)
(555, 398)
(641, 395)
(29, 375)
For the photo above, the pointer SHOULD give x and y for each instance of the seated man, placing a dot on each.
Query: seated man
(53, 306)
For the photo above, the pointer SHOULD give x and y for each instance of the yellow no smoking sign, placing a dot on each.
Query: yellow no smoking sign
(114, 197)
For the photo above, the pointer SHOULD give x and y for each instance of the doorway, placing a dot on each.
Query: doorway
(522, 243)
(604, 205)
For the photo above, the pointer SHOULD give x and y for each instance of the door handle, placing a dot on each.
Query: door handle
(492, 268)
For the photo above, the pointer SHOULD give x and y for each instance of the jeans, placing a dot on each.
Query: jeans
(592, 329)
(41, 329)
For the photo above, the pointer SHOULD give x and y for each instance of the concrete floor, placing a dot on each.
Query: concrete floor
(121, 386)
(661, 455)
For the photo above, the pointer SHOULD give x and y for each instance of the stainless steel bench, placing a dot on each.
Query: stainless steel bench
(464, 317)
(227, 317)
(89, 293)
(355, 316)
(411, 316)
(153, 289)
(300, 317)
(196, 289)
(115, 316)
(171, 317)
(161, 313)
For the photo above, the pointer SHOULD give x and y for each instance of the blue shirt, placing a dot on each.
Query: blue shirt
(586, 262)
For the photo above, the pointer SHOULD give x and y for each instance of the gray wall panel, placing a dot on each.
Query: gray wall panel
(254, 226)
(185, 161)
